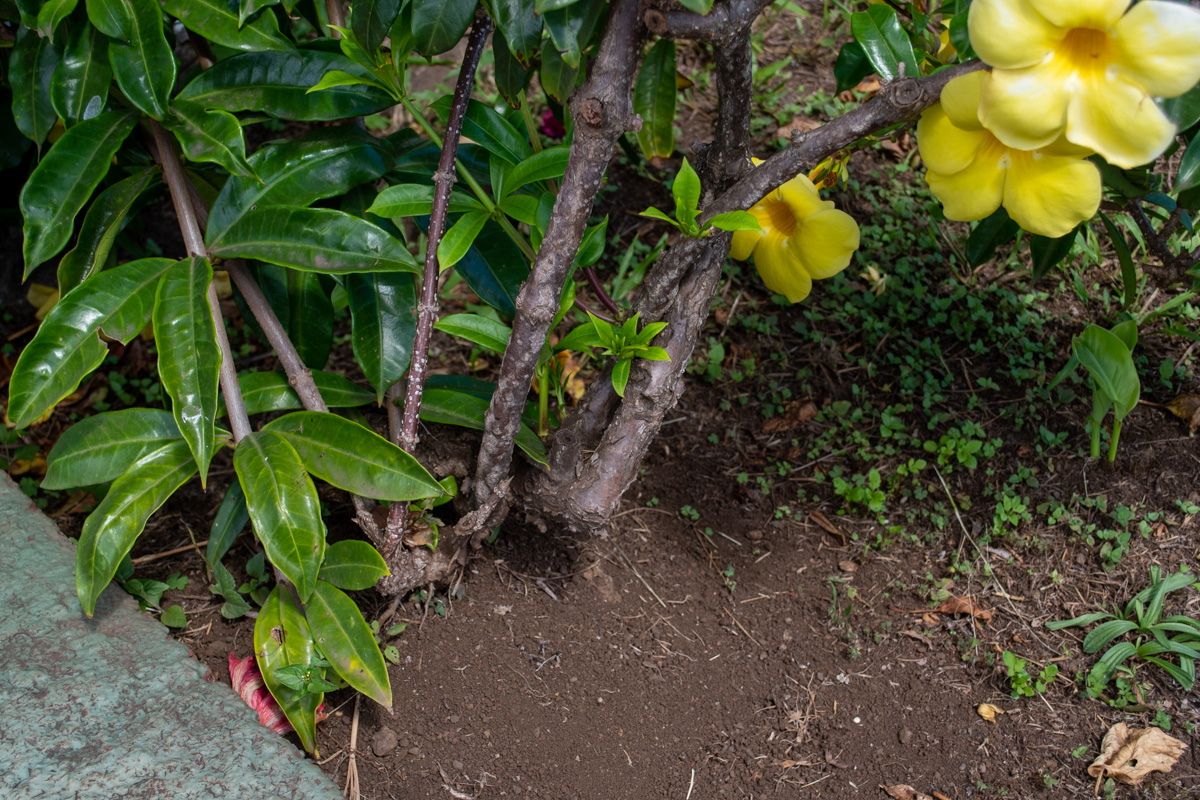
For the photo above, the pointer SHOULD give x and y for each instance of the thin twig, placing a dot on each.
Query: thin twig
(166, 553)
(351, 791)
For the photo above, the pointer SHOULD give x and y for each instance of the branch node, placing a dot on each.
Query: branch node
(591, 111)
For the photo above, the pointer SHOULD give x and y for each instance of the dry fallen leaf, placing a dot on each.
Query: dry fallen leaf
(965, 605)
(823, 521)
(1187, 408)
(902, 791)
(1128, 757)
(797, 414)
(989, 711)
(847, 566)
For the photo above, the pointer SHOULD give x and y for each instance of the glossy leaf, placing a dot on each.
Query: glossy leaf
(350, 457)
(277, 84)
(30, 72)
(282, 638)
(571, 27)
(886, 44)
(494, 269)
(283, 506)
(990, 233)
(67, 346)
(141, 59)
(111, 530)
(852, 66)
(546, 165)
(248, 8)
(218, 21)
(80, 86)
(512, 77)
(189, 358)
(371, 20)
(556, 75)
(521, 26)
(65, 179)
(451, 407)
(483, 331)
(230, 521)
(489, 130)
(101, 225)
(209, 136)
(301, 303)
(459, 238)
(437, 25)
(412, 199)
(347, 642)
(383, 311)
(543, 6)
(1184, 110)
(324, 163)
(264, 392)
(1047, 253)
(51, 13)
(654, 100)
(1110, 364)
(102, 447)
(1188, 175)
(317, 239)
(352, 565)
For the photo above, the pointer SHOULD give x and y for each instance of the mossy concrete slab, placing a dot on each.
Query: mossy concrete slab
(111, 707)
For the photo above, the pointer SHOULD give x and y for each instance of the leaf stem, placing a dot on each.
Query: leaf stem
(1116, 437)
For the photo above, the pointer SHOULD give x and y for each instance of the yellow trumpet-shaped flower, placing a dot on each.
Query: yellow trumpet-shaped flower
(1047, 191)
(803, 238)
(1086, 68)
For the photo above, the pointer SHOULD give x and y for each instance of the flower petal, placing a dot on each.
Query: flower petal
(1119, 121)
(1025, 108)
(960, 100)
(1157, 46)
(802, 197)
(971, 193)
(744, 242)
(944, 147)
(1048, 195)
(775, 258)
(826, 242)
(1096, 14)
(1010, 34)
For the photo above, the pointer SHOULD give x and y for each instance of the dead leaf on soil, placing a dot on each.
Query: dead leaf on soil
(797, 414)
(823, 521)
(847, 566)
(965, 605)
(1187, 408)
(989, 711)
(902, 791)
(832, 760)
(1128, 757)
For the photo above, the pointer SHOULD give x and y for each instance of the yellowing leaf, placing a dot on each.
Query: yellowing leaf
(989, 711)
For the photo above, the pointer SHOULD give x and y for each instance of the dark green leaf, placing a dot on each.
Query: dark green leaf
(1188, 175)
(65, 179)
(348, 644)
(883, 40)
(350, 457)
(571, 27)
(654, 100)
(1046, 253)
(990, 233)
(141, 59)
(1110, 364)
(557, 76)
(494, 269)
(456, 408)
(248, 8)
(211, 136)
(67, 346)
(1124, 258)
(102, 447)
(324, 163)
(317, 239)
(437, 25)
(852, 66)
(80, 87)
(110, 531)
(522, 30)
(352, 565)
(282, 638)
(371, 20)
(1086, 619)
(189, 358)
(489, 130)
(30, 71)
(383, 311)
(1184, 110)
(52, 13)
(1104, 668)
(512, 77)
(412, 199)
(230, 521)
(101, 225)
(278, 83)
(264, 392)
(542, 6)
(283, 506)
(218, 21)
(301, 302)
(960, 36)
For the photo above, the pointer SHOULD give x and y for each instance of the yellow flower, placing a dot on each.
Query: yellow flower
(803, 238)
(1087, 68)
(1046, 191)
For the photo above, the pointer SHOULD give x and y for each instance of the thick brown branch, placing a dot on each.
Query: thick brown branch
(603, 111)
(177, 183)
(721, 24)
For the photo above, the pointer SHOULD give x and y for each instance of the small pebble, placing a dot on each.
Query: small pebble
(858, 720)
(754, 536)
(458, 765)
(383, 742)
(905, 736)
